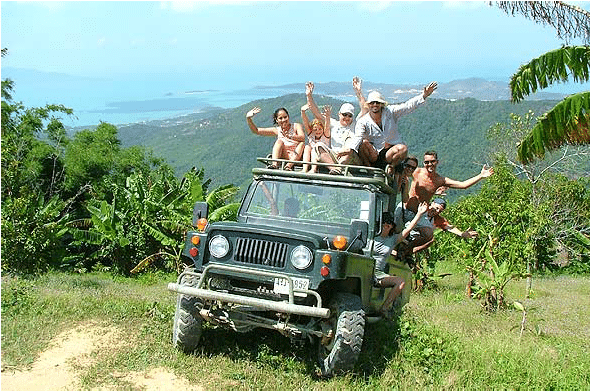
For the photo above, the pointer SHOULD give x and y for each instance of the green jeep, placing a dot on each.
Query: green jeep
(298, 260)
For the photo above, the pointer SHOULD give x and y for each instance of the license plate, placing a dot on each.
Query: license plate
(282, 286)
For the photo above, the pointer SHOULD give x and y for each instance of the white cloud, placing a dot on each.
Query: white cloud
(101, 42)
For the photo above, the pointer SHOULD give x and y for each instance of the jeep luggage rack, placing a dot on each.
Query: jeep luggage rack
(345, 170)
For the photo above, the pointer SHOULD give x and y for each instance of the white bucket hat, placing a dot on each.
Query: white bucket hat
(375, 96)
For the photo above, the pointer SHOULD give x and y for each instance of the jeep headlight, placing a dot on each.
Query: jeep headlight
(218, 246)
(301, 257)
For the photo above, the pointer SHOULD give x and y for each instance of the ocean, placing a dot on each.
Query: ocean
(129, 101)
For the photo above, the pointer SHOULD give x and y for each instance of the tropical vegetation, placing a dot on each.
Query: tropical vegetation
(569, 121)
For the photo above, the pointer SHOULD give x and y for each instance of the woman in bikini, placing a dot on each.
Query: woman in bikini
(290, 137)
(318, 134)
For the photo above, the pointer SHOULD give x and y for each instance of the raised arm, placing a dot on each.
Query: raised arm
(327, 114)
(306, 125)
(357, 86)
(309, 86)
(254, 128)
(422, 208)
(485, 173)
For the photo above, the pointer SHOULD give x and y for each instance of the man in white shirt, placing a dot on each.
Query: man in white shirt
(378, 141)
(341, 130)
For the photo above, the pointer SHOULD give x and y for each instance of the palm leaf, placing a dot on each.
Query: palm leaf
(161, 237)
(551, 67)
(219, 196)
(567, 122)
(147, 261)
(225, 213)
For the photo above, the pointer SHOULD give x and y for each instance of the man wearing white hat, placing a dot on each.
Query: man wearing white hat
(341, 130)
(378, 141)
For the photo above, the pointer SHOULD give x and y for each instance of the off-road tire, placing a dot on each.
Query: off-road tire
(348, 324)
(187, 328)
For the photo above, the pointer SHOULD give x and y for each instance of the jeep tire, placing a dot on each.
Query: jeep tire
(348, 326)
(187, 328)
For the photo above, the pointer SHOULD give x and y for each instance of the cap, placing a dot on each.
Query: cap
(388, 217)
(347, 108)
(440, 201)
(375, 96)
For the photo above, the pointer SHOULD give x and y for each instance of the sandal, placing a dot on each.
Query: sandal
(288, 168)
(272, 166)
(336, 172)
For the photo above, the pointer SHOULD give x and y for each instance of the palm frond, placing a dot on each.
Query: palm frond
(220, 195)
(567, 122)
(148, 260)
(86, 236)
(225, 213)
(161, 237)
(554, 66)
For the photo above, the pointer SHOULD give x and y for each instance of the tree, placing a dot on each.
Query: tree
(569, 120)
(144, 222)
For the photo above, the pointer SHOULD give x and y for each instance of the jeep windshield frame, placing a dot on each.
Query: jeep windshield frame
(322, 208)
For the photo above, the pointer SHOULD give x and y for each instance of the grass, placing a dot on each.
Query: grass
(443, 341)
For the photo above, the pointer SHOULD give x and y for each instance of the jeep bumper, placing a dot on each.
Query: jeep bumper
(288, 307)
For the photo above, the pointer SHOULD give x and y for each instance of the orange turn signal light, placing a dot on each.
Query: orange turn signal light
(195, 240)
(201, 224)
(326, 259)
(339, 242)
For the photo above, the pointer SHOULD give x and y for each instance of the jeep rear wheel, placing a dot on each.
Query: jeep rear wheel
(187, 328)
(339, 353)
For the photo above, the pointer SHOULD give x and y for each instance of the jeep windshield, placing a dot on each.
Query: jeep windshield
(275, 202)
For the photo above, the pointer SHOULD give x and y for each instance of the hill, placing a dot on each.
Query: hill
(220, 141)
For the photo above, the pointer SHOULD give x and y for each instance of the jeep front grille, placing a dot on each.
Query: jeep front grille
(253, 251)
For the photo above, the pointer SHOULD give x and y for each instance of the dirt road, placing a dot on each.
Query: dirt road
(59, 367)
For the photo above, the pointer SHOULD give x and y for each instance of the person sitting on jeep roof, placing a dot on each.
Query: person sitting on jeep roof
(319, 144)
(290, 137)
(383, 245)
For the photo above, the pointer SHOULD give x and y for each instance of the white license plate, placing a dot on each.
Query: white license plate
(282, 286)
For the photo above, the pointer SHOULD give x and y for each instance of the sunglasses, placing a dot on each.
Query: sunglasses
(346, 114)
(430, 162)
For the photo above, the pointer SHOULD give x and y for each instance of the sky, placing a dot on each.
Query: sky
(248, 43)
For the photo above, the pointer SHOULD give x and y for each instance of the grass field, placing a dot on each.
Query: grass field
(443, 341)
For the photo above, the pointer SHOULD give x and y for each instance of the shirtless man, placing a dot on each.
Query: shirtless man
(425, 183)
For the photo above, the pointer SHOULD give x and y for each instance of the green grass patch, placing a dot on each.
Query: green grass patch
(443, 341)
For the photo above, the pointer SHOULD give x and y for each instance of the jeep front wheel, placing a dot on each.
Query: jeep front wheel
(340, 349)
(187, 328)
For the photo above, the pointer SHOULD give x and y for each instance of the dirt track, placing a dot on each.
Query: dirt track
(59, 367)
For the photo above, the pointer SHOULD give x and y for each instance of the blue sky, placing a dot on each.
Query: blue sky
(250, 43)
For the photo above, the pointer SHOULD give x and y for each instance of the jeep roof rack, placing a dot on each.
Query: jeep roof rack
(349, 173)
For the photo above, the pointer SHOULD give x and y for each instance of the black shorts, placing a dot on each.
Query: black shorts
(381, 162)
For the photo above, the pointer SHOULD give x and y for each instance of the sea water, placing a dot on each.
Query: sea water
(129, 101)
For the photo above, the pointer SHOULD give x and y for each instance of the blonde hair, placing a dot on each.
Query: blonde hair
(314, 122)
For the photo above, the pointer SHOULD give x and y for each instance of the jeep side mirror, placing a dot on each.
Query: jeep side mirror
(359, 230)
(200, 210)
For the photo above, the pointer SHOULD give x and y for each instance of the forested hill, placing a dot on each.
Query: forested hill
(221, 142)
